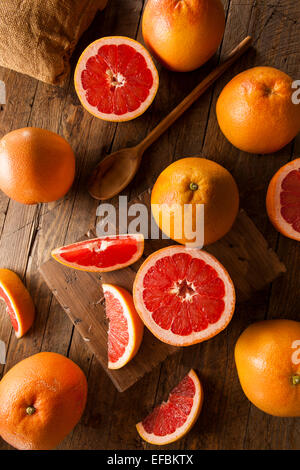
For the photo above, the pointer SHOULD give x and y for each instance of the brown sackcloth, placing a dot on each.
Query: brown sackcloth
(37, 37)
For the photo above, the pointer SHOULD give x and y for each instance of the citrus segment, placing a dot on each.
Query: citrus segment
(283, 200)
(171, 420)
(116, 79)
(101, 254)
(19, 304)
(184, 296)
(125, 326)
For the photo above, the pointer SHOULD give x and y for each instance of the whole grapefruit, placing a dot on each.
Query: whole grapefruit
(41, 400)
(187, 183)
(267, 356)
(255, 110)
(36, 165)
(183, 34)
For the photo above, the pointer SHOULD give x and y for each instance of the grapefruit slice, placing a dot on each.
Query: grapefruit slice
(183, 295)
(101, 254)
(173, 419)
(19, 304)
(126, 329)
(283, 200)
(116, 79)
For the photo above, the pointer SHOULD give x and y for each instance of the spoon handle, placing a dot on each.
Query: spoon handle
(195, 94)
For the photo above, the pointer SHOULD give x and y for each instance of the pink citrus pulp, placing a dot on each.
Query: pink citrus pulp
(101, 254)
(116, 79)
(183, 295)
(173, 419)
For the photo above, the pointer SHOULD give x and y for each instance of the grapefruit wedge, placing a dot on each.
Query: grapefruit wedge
(116, 79)
(283, 200)
(173, 419)
(19, 304)
(101, 254)
(183, 295)
(126, 329)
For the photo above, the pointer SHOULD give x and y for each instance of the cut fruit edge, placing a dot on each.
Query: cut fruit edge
(134, 341)
(13, 310)
(192, 417)
(139, 238)
(168, 336)
(273, 195)
(92, 50)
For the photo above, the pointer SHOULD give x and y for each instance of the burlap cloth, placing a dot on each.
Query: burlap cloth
(37, 37)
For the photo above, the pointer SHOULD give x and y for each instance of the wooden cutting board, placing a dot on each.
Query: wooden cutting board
(243, 251)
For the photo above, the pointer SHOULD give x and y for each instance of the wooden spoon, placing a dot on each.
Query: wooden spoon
(116, 170)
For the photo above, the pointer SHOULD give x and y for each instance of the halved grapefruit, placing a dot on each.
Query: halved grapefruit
(283, 200)
(101, 254)
(19, 304)
(116, 79)
(126, 329)
(173, 419)
(183, 295)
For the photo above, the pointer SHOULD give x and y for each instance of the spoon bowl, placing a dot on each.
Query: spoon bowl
(114, 173)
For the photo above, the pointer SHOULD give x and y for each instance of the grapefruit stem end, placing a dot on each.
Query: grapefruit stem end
(296, 379)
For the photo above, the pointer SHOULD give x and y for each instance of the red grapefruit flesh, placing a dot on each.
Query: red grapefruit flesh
(19, 304)
(116, 79)
(173, 419)
(283, 200)
(101, 254)
(183, 295)
(125, 326)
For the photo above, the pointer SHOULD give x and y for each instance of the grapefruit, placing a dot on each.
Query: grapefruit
(36, 165)
(267, 356)
(41, 400)
(194, 181)
(255, 110)
(101, 254)
(183, 295)
(19, 304)
(283, 200)
(174, 418)
(126, 329)
(183, 34)
(116, 79)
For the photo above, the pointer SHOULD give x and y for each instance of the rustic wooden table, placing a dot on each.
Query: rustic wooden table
(27, 234)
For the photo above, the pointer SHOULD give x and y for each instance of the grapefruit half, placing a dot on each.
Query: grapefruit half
(19, 304)
(126, 329)
(173, 419)
(101, 254)
(283, 200)
(183, 295)
(116, 79)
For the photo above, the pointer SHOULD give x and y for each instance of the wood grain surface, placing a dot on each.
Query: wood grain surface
(28, 233)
